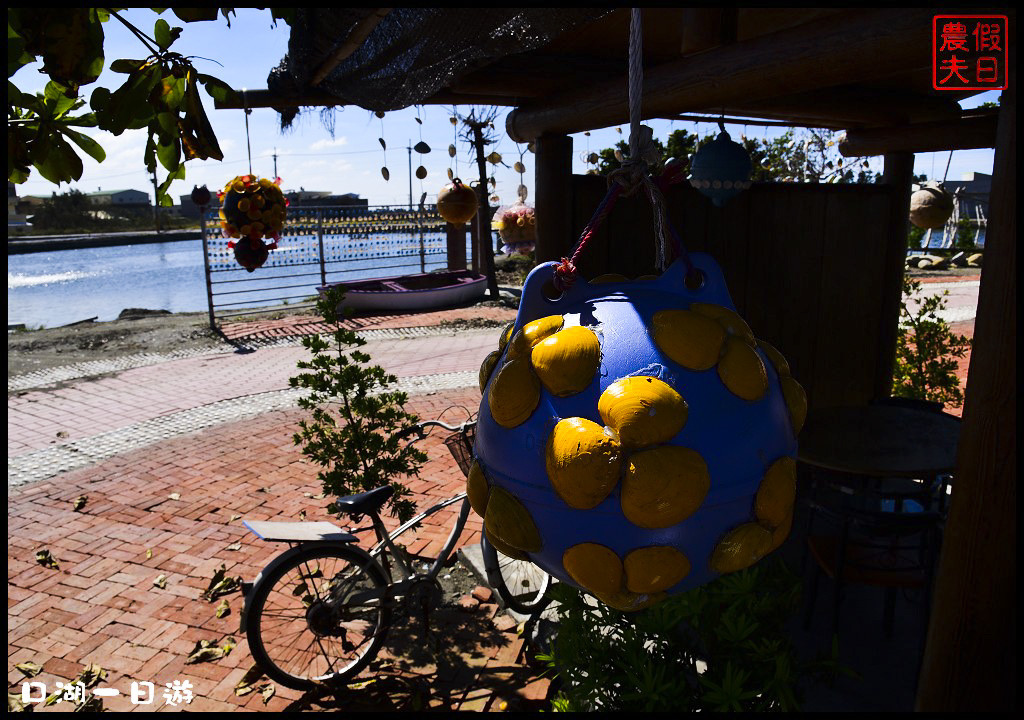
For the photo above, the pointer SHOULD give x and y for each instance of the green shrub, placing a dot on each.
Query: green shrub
(927, 350)
(719, 647)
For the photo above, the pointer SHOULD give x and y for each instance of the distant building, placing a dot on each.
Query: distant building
(14, 217)
(118, 197)
(302, 197)
(971, 192)
(970, 202)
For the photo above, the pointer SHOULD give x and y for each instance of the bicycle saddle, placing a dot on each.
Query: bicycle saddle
(365, 502)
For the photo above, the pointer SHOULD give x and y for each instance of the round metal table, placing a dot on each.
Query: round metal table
(880, 441)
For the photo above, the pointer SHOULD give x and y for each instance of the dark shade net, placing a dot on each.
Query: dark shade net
(413, 52)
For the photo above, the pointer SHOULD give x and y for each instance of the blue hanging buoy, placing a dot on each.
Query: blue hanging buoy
(721, 169)
(634, 438)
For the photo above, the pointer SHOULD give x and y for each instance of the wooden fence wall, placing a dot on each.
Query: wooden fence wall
(804, 263)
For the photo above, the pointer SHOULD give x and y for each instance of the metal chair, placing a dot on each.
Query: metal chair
(892, 550)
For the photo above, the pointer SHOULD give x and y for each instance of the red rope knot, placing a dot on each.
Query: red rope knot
(565, 275)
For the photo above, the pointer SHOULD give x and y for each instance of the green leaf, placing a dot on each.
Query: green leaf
(162, 34)
(90, 146)
(191, 15)
(172, 91)
(166, 201)
(219, 90)
(169, 154)
(17, 57)
(126, 66)
(56, 160)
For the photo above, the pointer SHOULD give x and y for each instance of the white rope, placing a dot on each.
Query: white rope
(636, 81)
(641, 139)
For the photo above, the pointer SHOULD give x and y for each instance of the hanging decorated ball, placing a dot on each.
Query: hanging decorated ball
(252, 209)
(635, 439)
(517, 227)
(457, 203)
(201, 195)
(931, 206)
(721, 169)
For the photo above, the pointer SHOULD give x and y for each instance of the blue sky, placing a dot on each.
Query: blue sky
(350, 161)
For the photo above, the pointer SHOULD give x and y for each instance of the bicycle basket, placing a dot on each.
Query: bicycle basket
(460, 444)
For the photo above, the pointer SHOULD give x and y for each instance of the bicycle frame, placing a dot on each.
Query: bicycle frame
(396, 589)
(386, 543)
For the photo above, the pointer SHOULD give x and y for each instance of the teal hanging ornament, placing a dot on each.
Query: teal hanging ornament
(721, 169)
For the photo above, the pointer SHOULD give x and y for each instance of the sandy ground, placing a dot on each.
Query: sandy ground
(31, 350)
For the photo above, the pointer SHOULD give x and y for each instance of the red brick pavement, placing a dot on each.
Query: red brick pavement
(296, 325)
(102, 607)
(90, 407)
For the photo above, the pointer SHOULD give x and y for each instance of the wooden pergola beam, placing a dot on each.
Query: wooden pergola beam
(833, 51)
(854, 106)
(970, 132)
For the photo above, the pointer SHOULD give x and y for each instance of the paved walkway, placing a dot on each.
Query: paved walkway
(169, 457)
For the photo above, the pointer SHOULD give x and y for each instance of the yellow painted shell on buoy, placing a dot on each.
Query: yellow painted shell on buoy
(566, 361)
(477, 490)
(594, 567)
(642, 410)
(688, 338)
(654, 569)
(510, 523)
(487, 367)
(503, 548)
(663, 486)
(776, 358)
(729, 319)
(776, 495)
(742, 371)
(740, 548)
(583, 462)
(532, 333)
(506, 335)
(796, 401)
(514, 393)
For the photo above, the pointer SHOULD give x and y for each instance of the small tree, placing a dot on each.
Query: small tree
(927, 350)
(359, 429)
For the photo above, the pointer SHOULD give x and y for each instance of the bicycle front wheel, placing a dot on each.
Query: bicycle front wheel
(521, 585)
(320, 617)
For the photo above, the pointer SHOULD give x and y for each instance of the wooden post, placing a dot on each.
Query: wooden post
(898, 174)
(553, 186)
(970, 659)
(456, 246)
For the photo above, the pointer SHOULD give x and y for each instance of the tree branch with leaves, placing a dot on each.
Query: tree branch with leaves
(160, 94)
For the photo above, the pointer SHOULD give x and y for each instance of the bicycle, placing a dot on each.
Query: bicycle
(320, 612)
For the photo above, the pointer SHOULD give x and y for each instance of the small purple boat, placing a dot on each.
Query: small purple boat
(426, 291)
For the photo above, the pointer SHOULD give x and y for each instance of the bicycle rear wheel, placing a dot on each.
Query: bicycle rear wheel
(521, 585)
(320, 617)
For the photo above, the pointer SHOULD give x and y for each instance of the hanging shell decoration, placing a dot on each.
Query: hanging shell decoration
(721, 169)
(931, 206)
(634, 438)
(457, 202)
(251, 209)
(517, 227)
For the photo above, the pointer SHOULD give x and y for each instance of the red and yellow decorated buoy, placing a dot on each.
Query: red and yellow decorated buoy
(252, 209)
